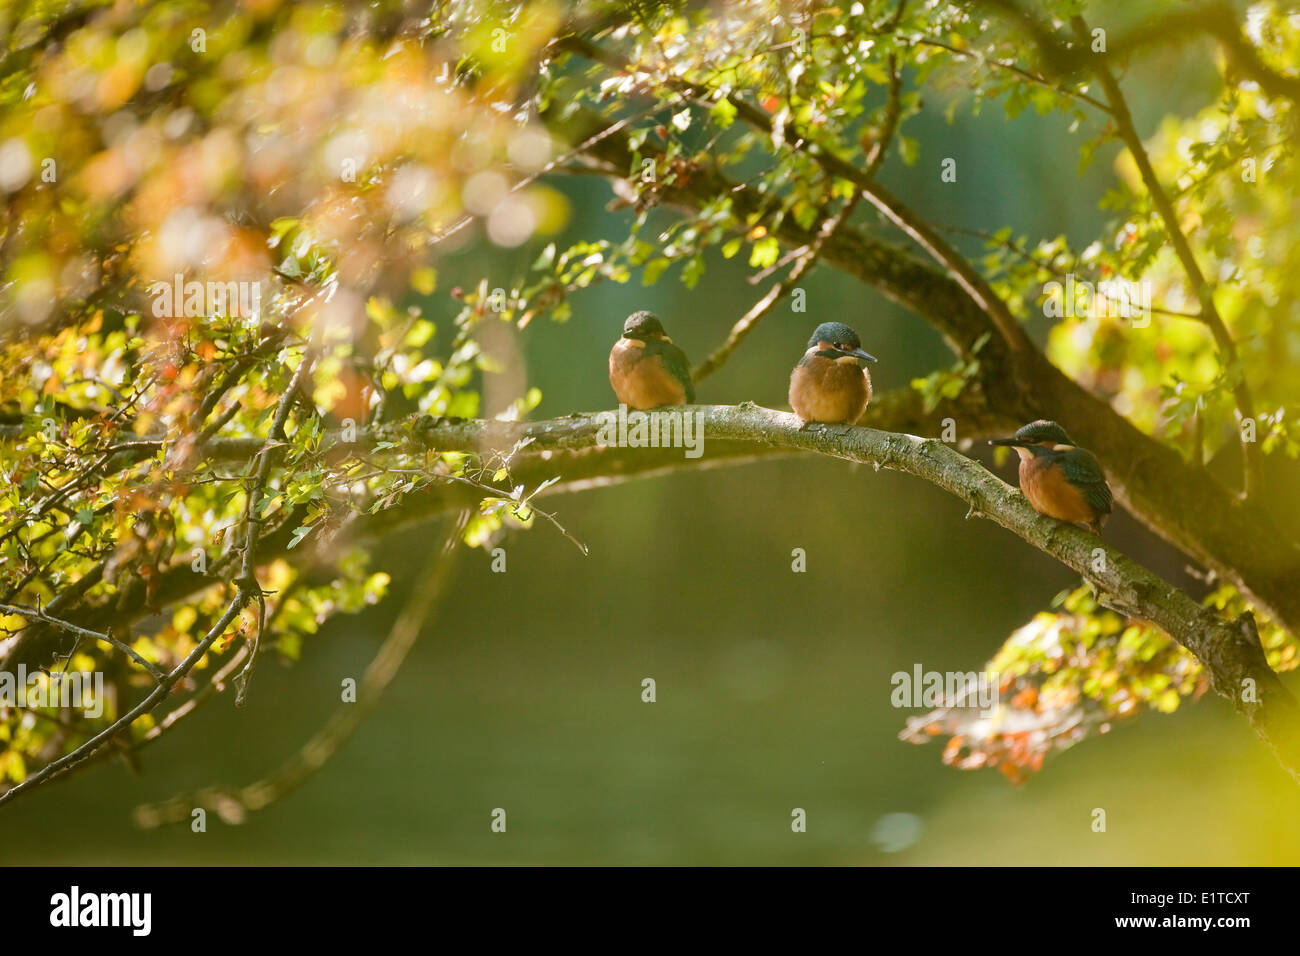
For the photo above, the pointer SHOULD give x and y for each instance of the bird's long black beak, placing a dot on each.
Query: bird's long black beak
(1012, 442)
(858, 353)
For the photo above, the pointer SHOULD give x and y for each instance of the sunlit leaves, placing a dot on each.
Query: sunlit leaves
(764, 252)
(1065, 675)
(277, 147)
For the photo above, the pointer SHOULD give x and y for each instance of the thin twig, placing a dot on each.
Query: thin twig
(37, 614)
(528, 180)
(1048, 267)
(749, 321)
(247, 578)
(1019, 71)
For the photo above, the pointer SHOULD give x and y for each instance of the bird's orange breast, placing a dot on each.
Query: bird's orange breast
(822, 390)
(1051, 494)
(641, 381)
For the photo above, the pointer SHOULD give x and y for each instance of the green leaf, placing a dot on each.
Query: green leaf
(693, 271)
(909, 149)
(653, 270)
(424, 280)
(723, 113)
(764, 253)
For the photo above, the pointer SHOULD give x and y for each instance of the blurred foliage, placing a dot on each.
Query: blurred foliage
(1071, 672)
(313, 152)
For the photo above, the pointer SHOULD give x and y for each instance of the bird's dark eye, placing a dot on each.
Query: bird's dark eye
(839, 346)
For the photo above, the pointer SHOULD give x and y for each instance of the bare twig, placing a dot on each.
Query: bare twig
(749, 321)
(558, 162)
(806, 256)
(37, 614)
(247, 578)
(1019, 71)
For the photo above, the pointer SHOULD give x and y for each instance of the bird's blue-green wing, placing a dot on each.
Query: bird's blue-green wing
(678, 367)
(1084, 471)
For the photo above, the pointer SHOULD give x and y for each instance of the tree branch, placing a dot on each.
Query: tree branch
(1019, 71)
(570, 447)
(967, 278)
(806, 257)
(579, 470)
(746, 324)
(36, 614)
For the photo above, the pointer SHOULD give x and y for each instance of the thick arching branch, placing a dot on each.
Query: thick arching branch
(590, 467)
(573, 449)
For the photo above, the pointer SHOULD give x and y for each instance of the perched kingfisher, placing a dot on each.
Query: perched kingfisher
(1060, 479)
(645, 369)
(828, 385)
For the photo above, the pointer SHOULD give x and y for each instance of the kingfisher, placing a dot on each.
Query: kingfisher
(645, 369)
(828, 385)
(1060, 479)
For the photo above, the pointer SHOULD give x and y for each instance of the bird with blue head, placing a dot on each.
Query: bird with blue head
(646, 370)
(1058, 478)
(828, 385)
